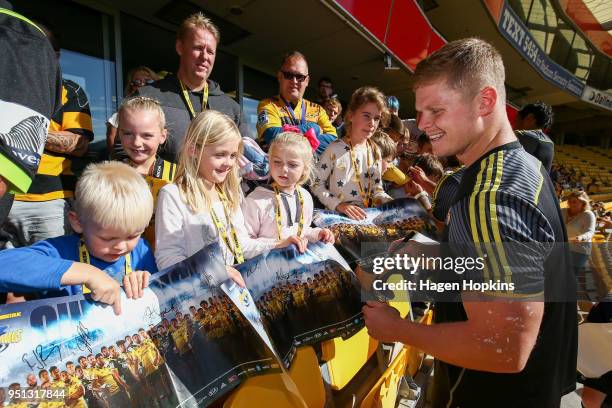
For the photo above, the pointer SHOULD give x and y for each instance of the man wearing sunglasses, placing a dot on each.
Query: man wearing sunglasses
(290, 107)
(189, 92)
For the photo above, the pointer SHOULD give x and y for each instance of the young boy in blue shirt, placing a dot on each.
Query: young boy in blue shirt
(113, 206)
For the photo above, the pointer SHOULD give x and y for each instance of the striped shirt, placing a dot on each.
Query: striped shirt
(507, 197)
(444, 194)
(538, 144)
(55, 178)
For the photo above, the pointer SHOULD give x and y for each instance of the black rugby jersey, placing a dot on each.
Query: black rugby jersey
(538, 144)
(444, 194)
(506, 196)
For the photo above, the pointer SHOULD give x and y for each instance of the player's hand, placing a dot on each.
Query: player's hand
(327, 236)
(412, 189)
(104, 289)
(234, 275)
(300, 243)
(352, 211)
(134, 284)
(382, 321)
(418, 175)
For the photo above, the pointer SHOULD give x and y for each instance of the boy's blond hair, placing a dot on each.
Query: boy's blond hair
(208, 128)
(299, 144)
(198, 20)
(113, 195)
(467, 65)
(142, 103)
(388, 148)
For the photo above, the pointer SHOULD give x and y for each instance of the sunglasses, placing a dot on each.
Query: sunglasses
(141, 82)
(290, 76)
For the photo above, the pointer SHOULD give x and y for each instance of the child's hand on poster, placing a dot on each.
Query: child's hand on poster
(300, 243)
(327, 236)
(103, 288)
(352, 211)
(134, 284)
(234, 275)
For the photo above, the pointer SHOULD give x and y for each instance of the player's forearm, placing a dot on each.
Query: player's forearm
(460, 344)
(429, 186)
(67, 143)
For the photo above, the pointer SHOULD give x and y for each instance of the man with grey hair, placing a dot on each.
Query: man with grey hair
(190, 91)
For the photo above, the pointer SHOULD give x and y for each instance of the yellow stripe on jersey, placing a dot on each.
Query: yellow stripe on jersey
(495, 220)
(54, 195)
(272, 112)
(472, 214)
(54, 165)
(54, 126)
(64, 95)
(484, 229)
(492, 170)
(54, 178)
(538, 190)
(440, 182)
(76, 120)
(59, 168)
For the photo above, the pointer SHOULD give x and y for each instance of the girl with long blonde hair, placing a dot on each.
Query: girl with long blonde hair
(203, 204)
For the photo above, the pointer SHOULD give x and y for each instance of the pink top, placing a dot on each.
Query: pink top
(259, 215)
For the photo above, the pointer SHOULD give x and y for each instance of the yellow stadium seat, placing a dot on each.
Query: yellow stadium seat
(384, 392)
(346, 357)
(269, 390)
(601, 197)
(400, 300)
(416, 356)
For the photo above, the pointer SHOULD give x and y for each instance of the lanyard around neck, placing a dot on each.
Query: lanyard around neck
(291, 112)
(235, 249)
(279, 222)
(366, 195)
(84, 258)
(20, 17)
(187, 100)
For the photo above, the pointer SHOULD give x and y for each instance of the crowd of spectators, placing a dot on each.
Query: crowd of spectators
(187, 139)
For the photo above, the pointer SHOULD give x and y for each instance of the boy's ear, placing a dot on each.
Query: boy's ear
(74, 222)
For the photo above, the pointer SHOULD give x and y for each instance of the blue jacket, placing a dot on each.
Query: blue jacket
(40, 267)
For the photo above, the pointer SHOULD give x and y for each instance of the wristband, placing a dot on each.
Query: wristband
(421, 194)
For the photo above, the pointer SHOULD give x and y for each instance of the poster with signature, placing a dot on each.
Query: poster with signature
(303, 298)
(187, 342)
(389, 222)
(184, 343)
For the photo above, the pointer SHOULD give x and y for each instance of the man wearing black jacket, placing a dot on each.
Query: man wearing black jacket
(184, 95)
